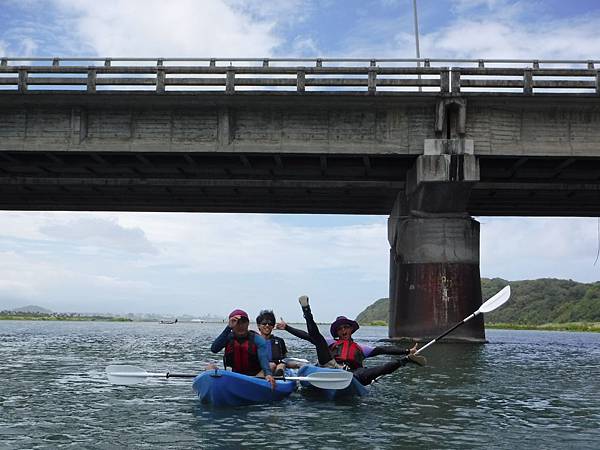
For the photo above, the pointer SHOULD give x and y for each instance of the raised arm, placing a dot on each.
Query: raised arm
(282, 325)
(221, 341)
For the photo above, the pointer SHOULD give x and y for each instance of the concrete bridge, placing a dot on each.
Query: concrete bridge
(429, 146)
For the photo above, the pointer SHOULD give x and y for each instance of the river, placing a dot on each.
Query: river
(524, 389)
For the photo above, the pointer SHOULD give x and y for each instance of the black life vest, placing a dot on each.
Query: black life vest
(277, 349)
(241, 354)
(347, 352)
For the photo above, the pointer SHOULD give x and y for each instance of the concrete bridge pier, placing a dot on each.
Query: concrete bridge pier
(434, 256)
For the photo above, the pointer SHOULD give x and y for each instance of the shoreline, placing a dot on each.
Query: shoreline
(67, 319)
(587, 327)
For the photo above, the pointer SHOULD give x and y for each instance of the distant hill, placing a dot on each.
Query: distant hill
(378, 311)
(535, 302)
(32, 309)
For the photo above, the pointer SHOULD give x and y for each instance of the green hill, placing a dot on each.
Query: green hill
(534, 302)
(378, 311)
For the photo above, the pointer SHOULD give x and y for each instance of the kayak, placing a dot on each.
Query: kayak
(355, 389)
(225, 388)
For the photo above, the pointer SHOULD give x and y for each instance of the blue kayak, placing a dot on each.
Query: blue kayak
(355, 389)
(225, 388)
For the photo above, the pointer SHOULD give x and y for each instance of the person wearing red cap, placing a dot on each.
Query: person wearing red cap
(245, 351)
(342, 352)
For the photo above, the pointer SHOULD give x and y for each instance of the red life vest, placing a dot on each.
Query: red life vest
(348, 352)
(241, 355)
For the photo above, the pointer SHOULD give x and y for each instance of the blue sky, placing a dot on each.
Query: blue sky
(211, 263)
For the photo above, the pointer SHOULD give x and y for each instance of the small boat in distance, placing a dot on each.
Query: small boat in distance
(168, 321)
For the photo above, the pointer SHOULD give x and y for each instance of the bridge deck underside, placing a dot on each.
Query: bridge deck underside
(281, 183)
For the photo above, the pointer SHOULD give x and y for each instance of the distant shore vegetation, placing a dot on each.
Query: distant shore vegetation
(543, 304)
(15, 315)
(571, 326)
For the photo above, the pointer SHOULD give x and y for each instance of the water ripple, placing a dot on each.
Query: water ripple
(523, 390)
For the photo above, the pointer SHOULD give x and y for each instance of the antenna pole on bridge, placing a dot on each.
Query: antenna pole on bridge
(417, 38)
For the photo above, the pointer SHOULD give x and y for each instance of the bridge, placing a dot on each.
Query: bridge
(430, 145)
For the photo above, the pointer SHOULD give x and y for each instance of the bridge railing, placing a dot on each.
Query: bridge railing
(231, 75)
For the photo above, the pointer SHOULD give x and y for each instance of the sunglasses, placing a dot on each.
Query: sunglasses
(270, 324)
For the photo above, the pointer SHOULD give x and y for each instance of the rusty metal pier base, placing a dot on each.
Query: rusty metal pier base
(434, 280)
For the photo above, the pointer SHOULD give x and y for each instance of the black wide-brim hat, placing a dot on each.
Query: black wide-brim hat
(343, 320)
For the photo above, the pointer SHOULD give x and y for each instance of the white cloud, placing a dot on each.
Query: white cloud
(254, 244)
(25, 277)
(487, 29)
(104, 281)
(494, 37)
(514, 248)
(99, 232)
(213, 262)
(149, 28)
(305, 46)
(462, 5)
(234, 258)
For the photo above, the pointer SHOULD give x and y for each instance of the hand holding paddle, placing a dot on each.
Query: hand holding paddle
(271, 381)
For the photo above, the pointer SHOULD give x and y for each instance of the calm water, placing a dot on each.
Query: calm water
(522, 390)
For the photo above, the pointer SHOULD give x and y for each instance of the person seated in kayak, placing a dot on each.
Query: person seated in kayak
(276, 348)
(342, 352)
(245, 351)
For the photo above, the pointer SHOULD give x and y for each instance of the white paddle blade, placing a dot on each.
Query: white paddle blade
(327, 380)
(126, 375)
(496, 301)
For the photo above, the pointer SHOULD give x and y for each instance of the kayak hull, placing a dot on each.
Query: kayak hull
(225, 388)
(355, 389)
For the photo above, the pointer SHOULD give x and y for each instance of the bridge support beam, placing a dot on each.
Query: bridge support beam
(434, 257)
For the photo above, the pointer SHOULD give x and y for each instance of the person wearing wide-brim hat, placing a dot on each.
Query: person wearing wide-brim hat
(342, 352)
(345, 323)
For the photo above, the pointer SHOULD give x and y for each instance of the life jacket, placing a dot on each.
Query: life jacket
(347, 352)
(241, 354)
(277, 349)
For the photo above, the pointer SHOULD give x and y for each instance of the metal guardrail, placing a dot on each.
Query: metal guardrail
(279, 74)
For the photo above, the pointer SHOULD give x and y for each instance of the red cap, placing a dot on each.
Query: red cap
(238, 312)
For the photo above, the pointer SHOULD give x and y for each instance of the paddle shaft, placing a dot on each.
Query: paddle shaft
(143, 374)
(446, 332)
(491, 304)
(188, 375)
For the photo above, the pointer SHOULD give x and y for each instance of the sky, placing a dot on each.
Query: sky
(199, 264)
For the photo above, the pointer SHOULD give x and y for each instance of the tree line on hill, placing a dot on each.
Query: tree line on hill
(532, 302)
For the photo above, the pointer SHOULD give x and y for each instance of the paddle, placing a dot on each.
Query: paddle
(491, 304)
(127, 375)
(327, 380)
